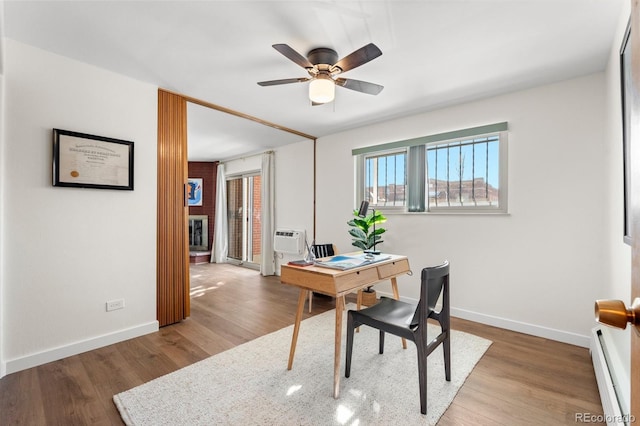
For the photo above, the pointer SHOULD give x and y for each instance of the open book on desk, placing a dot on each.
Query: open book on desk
(350, 262)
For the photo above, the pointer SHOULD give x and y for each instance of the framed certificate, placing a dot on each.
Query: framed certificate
(88, 161)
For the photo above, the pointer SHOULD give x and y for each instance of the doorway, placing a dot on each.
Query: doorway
(172, 259)
(243, 215)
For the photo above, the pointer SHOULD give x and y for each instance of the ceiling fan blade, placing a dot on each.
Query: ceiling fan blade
(283, 81)
(359, 57)
(359, 86)
(287, 51)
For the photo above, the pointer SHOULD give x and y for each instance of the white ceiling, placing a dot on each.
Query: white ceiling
(435, 54)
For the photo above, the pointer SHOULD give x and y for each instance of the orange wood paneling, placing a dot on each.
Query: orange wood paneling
(172, 245)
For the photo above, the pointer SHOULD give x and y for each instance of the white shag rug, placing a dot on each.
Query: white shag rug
(250, 384)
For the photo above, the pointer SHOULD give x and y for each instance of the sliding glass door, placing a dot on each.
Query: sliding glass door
(243, 215)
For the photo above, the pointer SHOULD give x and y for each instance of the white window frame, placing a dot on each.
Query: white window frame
(361, 179)
(500, 129)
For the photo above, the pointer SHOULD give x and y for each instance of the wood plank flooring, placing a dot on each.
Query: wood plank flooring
(521, 380)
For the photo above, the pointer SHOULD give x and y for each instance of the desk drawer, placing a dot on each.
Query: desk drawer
(393, 269)
(356, 279)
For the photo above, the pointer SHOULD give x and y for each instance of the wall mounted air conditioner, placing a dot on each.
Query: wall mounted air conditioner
(289, 241)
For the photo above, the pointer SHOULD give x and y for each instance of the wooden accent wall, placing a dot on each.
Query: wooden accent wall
(172, 273)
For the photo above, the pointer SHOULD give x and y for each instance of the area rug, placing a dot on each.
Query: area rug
(250, 384)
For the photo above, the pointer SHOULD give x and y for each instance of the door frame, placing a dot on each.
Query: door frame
(634, 133)
(172, 246)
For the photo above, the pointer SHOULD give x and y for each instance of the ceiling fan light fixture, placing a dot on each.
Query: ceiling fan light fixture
(322, 89)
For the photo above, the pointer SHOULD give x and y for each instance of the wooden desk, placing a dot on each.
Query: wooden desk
(338, 283)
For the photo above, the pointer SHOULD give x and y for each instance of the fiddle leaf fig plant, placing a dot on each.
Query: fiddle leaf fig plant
(364, 230)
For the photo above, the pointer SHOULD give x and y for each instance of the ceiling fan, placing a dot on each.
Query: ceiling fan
(323, 67)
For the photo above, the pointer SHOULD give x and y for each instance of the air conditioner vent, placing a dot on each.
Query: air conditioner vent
(289, 241)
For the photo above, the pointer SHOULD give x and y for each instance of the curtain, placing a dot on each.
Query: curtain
(267, 264)
(221, 231)
(416, 179)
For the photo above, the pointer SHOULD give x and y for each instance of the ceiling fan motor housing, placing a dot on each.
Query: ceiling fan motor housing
(322, 55)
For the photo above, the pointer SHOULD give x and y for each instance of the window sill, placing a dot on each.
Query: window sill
(449, 213)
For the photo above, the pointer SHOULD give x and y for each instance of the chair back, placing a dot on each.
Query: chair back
(322, 250)
(434, 281)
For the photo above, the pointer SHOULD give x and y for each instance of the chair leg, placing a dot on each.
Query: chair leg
(422, 373)
(358, 305)
(446, 347)
(381, 349)
(350, 328)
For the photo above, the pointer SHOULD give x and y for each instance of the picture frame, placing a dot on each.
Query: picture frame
(194, 191)
(82, 160)
(627, 111)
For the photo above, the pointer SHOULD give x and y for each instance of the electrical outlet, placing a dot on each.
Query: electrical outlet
(112, 305)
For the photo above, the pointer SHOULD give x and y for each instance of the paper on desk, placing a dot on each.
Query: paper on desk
(349, 262)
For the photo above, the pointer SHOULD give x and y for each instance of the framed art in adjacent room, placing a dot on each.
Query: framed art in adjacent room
(81, 160)
(627, 118)
(194, 191)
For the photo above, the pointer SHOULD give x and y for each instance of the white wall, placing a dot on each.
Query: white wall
(294, 192)
(538, 269)
(67, 251)
(2, 226)
(2, 107)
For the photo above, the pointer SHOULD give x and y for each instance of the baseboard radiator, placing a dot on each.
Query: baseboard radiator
(608, 393)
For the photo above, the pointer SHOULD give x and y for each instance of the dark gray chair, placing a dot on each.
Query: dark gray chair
(410, 321)
(323, 250)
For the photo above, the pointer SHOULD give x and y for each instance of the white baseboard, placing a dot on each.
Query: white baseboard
(604, 377)
(520, 327)
(60, 352)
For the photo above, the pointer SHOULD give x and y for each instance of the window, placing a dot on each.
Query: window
(464, 173)
(460, 171)
(243, 218)
(385, 179)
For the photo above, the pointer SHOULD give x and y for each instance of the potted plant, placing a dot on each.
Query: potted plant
(365, 235)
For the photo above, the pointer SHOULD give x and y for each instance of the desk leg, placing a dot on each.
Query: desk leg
(296, 327)
(396, 295)
(338, 342)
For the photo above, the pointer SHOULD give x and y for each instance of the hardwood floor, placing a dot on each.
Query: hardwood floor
(521, 380)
